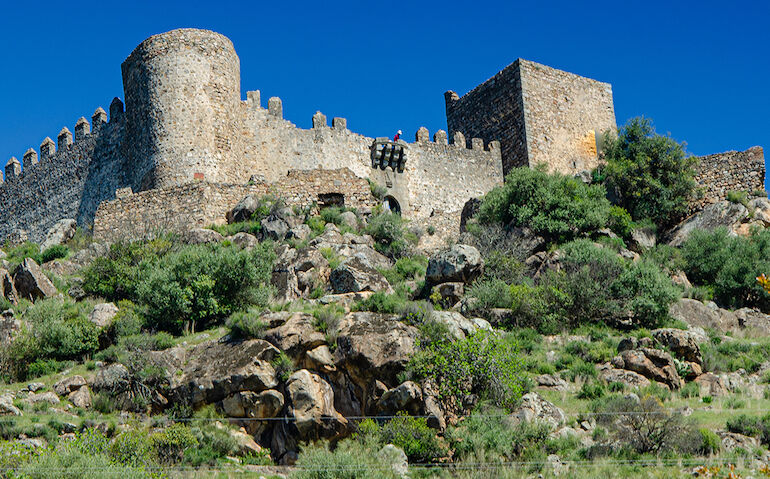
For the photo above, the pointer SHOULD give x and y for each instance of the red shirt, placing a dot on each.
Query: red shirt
(396, 138)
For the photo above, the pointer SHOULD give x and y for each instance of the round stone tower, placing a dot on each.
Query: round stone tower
(182, 92)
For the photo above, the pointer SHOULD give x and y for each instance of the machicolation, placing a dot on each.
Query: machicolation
(186, 148)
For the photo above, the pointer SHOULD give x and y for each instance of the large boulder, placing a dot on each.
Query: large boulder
(651, 363)
(753, 320)
(111, 377)
(713, 216)
(213, 370)
(680, 342)
(311, 404)
(274, 228)
(459, 326)
(7, 289)
(31, 282)
(353, 275)
(201, 236)
(707, 316)
(296, 335)
(711, 385)
(244, 240)
(374, 346)
(68, 385)
(406, 397)
(81, 398)
(103, 313)
(458, 263)
(63, 231)
(534, 408)
(9, 327)
(608, 374)
(244, 210)
(761, 209)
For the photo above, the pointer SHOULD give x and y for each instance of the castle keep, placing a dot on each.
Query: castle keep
(186, 147)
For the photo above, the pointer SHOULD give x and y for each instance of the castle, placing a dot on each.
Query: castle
(185, 148)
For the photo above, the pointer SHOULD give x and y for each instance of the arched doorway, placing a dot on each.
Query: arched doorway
(391, 204)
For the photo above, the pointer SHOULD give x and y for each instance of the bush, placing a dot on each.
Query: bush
(410, 434)
(599, 286)
(645, 426)
(740, 197)
(246, 324)
(284, 366)
(491, 293)
(58, 330)
(127, 322)
(381, 302)
(729, 265)
(555, 206)
(197, 286)
(406, 268)
(690, 390)
(649, 174)
(591, 390)
(620, 222)
(711, 443)
(483, 363)
(389, 233)
(146, 342)
(54, 252)
(170, 444)
(349, 460)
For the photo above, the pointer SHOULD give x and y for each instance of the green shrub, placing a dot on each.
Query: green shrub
(326, 318)
(381, 302)
(378, 191)
(410, 434)
(555, 206)
(753, 426)
(333, 258)
(170, 444)
(54, 252)
(690, 390)
(491, 293)
(389, 233)
(483, 363)
(739, 197)
(132, 447)
(591, 390)
(199, 285)
(214, 443)
(619, 222)
(146, 342)
(127, 322)
(649, 174)
(284, 366)
(349, 460)
(729, 265)
(711, 443)
(44, 367)
(19, 253)
(251, 227)
(247, 324)
(406, 268)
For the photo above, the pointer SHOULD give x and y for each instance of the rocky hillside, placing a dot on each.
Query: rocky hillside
(556, 338)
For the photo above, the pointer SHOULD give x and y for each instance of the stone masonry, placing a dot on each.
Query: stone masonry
(721, 173)
(186, 146)
(539, 114)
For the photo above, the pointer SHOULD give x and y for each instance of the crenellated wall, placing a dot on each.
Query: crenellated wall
(67, 179)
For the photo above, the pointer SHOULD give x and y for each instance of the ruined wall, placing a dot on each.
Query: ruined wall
(721, 173)
(183, 105)
(200, 204)
(68, 179)
(539, 114)
(493, 111)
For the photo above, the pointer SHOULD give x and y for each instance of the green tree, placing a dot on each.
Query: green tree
(650, 175)
(556, 206)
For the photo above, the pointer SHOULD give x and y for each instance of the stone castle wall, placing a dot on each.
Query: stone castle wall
(539, 114)
(721, 173)
(200, 204)
(67, 179)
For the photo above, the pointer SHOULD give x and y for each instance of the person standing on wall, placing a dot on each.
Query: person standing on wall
(397, 137)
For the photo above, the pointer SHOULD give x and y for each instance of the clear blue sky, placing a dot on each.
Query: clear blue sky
(700, 70)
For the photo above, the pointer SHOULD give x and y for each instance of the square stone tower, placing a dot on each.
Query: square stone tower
(539, 114)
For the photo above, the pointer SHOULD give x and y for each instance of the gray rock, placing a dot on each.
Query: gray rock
(7, 408)
(761, 209)
(274, 228)
(69, 385)
(300, 232)
(296, 335)
(34, 387)
(397, 459)
(81, 398)
(103, 313)
(7, 289)
(353, 275)
(244, 210)
(31, 282)
(450, 293)
(110, 378)
(535, 408)
(707, 316)
(551, 381)
(459, 326)
(753, 320)
(643, 239)
(349, 219)
(713, 216)
(406, 397)
(9, 327)
(458, 263)
(311, 404)
(63, 231)
(680, 342)
(608, 374)
(651, 363)
(46, 397)
(201, 236)
(243, 240)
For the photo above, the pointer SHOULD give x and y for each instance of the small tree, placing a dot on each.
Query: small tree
(650, 175)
